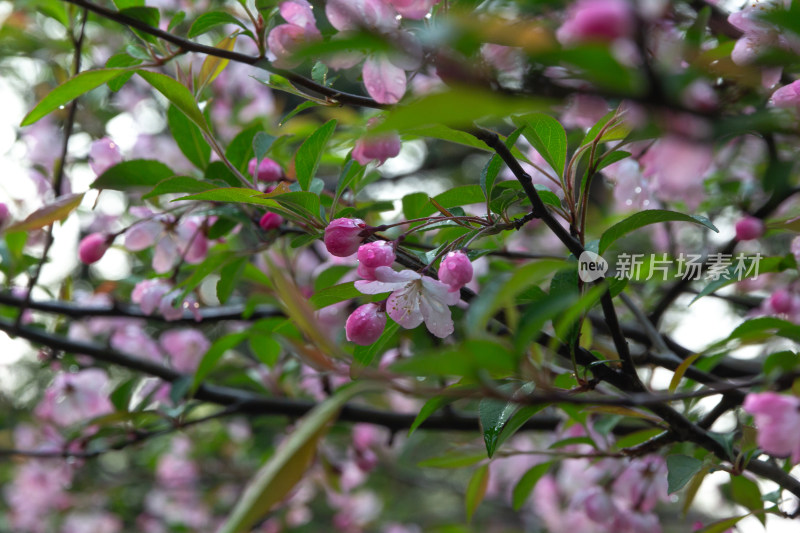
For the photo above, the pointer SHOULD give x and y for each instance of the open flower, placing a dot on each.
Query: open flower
(414, 299)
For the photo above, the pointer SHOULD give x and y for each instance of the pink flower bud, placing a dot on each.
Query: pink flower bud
(343, 236)
(455, 270)
(3, 213)
(597, 20)
(749, 228)
(104, 154)
(270, 221)
(93, 247)
(781, 301)
(379, 148)
(787, 97)
(366, 272)
(365, 325)
(268, 169)
(376, 254)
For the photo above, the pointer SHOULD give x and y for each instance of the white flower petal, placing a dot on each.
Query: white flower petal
(440, 291)
(403, 306)
(388, 275)
(436, 315)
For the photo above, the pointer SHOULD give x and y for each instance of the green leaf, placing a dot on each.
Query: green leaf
(71, 89)
(117, 61)
(265, 348)
(527, 482)
(235, 195)
(148, 15)
(476, 490)
(680, 469)
(261, 144)
(229, 277)
(644, 218)
(457, 107)
(495, 413)
(548, 137)
(189, 138)
(430, 407)
(208, 21)
(439, 131)
(723, 525)
(214, 354)
(334, 295)
(310, 153)
(414, 205)
(517, 421)
(178, 94)
(133, 174)
(240, 149)
(465, 359)
(179, 184)
(287, 466)
(747, 494)
(44, 216)
(299, 109)
(330, 275)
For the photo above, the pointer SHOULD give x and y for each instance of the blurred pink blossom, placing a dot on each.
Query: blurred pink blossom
(777, 418)
(75, 397)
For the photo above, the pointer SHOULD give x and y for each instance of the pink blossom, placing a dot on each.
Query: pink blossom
(385, 82)
(93, 247)
(148, 294)
(185, 348)
(376, 15)
(376, 148)
(787, 97)
(104, 154)
(749, 228)
(38, 488)
(173, 240)
(376, 254)
(152, 294)
(74, 398)
(268, 169)
(414, 299)
(644, 482)
(455, 270)
(97, 522)
(343, 236)
(794, 247)
(597, 20)
(365, 325)
(777, 417)
(4, 214)
(132, 339)
(285, 39)
(677, 167)
(270, 221)
(413, 9)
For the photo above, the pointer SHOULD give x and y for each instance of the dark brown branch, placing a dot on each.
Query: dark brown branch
(256, 404)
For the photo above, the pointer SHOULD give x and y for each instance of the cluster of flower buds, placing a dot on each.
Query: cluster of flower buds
(267, 171)
(414, 298)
